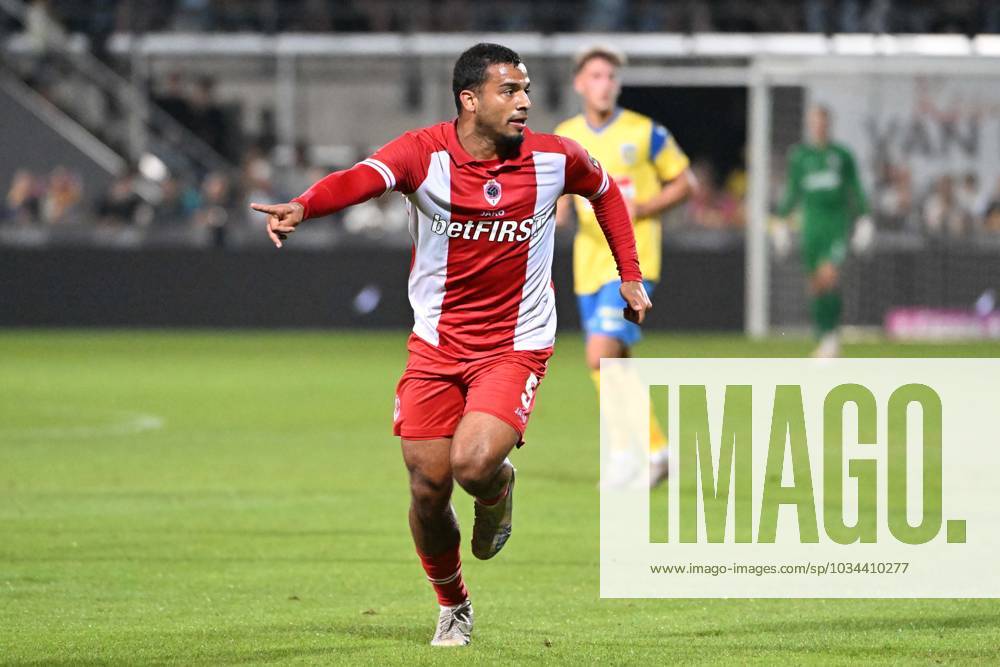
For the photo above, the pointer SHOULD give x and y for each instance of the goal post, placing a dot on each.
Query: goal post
(757, 281)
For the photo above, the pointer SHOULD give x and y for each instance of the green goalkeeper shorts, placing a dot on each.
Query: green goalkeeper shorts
(821, 249)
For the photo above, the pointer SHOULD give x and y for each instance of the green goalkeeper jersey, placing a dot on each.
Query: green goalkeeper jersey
(825, 180)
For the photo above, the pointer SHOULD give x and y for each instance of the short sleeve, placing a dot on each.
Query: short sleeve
(584, 175)
(398, 163)
(667, 157)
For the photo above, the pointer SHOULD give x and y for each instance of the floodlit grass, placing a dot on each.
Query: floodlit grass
(209, 498)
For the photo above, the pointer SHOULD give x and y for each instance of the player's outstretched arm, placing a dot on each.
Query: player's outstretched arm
(328, 195)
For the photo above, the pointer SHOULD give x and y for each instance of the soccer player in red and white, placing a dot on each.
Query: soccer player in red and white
(481, 193)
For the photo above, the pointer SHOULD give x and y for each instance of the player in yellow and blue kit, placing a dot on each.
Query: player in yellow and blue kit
(653, 174)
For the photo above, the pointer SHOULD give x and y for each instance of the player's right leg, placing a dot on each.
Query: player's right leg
(429, 403)
(436, 536)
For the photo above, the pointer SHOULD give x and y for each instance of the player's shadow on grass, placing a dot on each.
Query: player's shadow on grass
(361, 638)
(359, 630)
(414, 634)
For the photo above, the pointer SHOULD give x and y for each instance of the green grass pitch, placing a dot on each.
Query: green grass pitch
(218, 498)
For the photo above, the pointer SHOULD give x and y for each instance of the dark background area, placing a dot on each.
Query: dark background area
(709, 123)
(702, 290)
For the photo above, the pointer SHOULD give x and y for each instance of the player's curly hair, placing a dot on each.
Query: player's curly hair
(471, 66)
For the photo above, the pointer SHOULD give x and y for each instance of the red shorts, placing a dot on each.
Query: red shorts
(436, 389)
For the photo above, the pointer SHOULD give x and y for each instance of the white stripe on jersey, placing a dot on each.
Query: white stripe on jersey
(384, 171)
(536, 314)
(430, 261)
(603, 186)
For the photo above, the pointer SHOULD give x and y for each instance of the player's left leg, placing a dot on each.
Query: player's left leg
(602, 346)
(479, 454)
(824, 287)
(611, 336)
(481, 467)
(500, 398)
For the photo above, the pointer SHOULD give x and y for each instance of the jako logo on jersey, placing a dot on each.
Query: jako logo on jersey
(500, 231)
(492, 192)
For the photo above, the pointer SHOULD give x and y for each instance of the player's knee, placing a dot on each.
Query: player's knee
(594, 360)
(604, 347)
(430, 493)
(601, 346)
(472, 471)
(826, 278)
(825, 286)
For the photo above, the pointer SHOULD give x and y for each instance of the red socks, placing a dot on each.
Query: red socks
(493, 501)
(444, 571)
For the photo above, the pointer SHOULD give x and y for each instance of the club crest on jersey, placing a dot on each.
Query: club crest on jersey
(630, 153)
(492, 192)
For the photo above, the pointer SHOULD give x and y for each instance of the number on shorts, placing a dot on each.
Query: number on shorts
(529, 391)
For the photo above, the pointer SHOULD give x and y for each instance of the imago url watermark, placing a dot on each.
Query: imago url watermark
(801, 478)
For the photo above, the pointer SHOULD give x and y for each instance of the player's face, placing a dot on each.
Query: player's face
(819, 126)
(502, 103)
(597, 83)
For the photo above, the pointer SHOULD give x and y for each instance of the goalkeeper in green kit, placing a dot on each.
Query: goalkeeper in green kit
(822, 176)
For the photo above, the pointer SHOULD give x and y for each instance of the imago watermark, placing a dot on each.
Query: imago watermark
(800, 478)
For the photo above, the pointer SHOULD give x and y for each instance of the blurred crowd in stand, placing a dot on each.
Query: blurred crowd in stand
(103, 17)
(218, 201)
(951, 207)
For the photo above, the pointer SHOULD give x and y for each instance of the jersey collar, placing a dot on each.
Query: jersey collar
(600, 128)
(461, 157)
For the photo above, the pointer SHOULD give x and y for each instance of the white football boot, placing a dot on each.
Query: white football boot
(621, 471)
(829, 346)
(659, 467)
(454, 626)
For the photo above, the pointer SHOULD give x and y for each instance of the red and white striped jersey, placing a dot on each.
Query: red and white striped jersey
(481, 274)
(481, 278)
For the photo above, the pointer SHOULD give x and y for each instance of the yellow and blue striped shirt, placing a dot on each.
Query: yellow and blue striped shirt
(640, 155)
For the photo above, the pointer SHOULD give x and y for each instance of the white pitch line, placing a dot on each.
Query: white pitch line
(120, 424)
